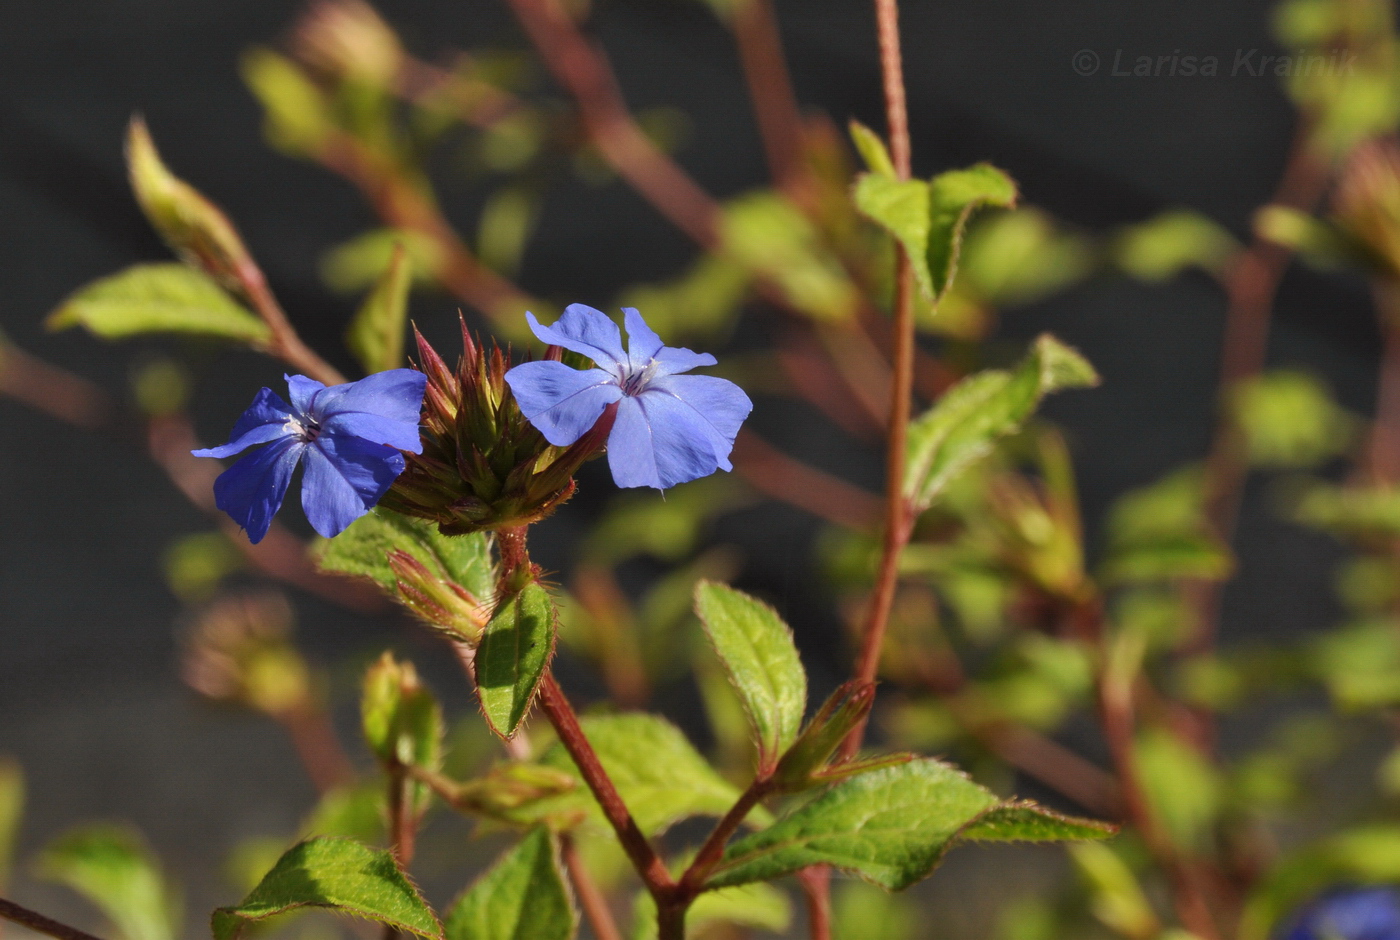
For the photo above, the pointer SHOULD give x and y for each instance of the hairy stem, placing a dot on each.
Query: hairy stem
(37, 922)
(816, 892)
(693, 881)
(286, 344)
(644, 858)
(897, 516)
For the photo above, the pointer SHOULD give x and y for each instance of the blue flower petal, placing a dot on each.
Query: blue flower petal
(676, 359)
(345, 476)
(265, 420)
(251, 490)
(396, 395)
(642, 342)
(562, 403)
(720, 405)
(585, 331)
(659, 441)
(303, 392)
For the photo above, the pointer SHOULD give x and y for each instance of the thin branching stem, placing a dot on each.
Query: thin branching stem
(37, 922)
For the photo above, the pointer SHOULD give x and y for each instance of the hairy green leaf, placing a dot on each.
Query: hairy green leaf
(376, 334)
(660, 775)
(953, 197)
(901, 207)
(158, 298)
(514, 651)
(1024, 821)
(113, 868)
(973, 415)
(522, 897)
(758, 653)
(363, 550)
(890, 826)
(1162, 247)
(338, 874)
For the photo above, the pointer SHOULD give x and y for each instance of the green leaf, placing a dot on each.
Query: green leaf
(1161, 248)
(757, 906)
(1289, 419)
(376, 334)
(339, 874)
(11, 812)
(1116, 896)
(514, 651)
(113, 868)
(1182, 787)
(354, 811)
(158, 298)
(1017, 257)
(967, 421)
(297, 119)
(953, 197)
(1321, 244)
(761, 659)
(901, 207)
(871, 149)
(364, 260)
(768, 235)
(1024, 821)
(363, 550)
(1159, 532)
(522, 897)
(890, 826)
(659, 774)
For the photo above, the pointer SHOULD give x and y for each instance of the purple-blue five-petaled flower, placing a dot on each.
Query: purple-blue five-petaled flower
(350, 437)
(670, 427)
(1349, 914)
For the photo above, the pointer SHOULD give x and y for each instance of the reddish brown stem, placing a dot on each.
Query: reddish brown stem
(318, 747)
(693, 881)
(595, 906)
(584, 72)
(37, 922)
(816, 891)
(770, 87)
(781, 477)
(54, 391)
(644, 858)
(285, 344)
(1116, 717)
(1250, 286)
(406, 204)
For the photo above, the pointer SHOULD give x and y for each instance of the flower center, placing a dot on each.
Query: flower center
(635, 383)
(304, 429)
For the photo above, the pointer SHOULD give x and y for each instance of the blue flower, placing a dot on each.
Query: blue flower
(349, 435)
(1349, 914)
(669, 428)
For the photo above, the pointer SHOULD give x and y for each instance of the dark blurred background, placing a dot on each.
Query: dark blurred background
(90, 698)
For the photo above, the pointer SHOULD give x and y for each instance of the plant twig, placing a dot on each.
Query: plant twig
(1250, 286)
(816, 891)
(644, 858)
(285, 344)
(583, 70)
(317, 745)
(897, 515)
(41, 924)
(594, 904)
(770, 86)
(776, 475)
(693, 881)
